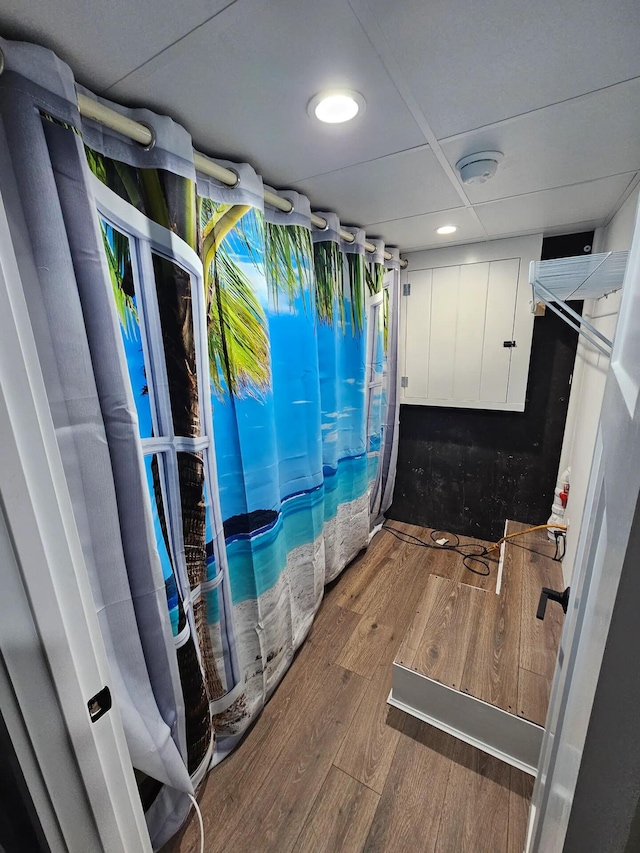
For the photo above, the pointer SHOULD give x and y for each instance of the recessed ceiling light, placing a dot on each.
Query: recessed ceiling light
(447, 229)
(336, 107)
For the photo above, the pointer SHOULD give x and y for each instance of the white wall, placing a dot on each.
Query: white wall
(587, 387)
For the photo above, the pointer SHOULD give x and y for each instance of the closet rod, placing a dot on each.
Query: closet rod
(141, 133)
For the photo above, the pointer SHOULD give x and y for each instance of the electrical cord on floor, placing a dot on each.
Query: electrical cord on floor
(559, 527)
(560, 537)
(199, 813)
(457, 547)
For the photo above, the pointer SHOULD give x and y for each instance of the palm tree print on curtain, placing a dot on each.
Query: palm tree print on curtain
(342, 367)
(268, 294)
(170, 201)
(256, 274)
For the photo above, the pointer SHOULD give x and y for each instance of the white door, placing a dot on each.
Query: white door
(459, 327)
(585, 795)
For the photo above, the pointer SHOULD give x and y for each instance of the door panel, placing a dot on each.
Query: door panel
(456, 321)
(499, 325)
(470, 331)
(442, 334)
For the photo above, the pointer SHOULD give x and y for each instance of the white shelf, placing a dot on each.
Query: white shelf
(554, 282)
(584, 277)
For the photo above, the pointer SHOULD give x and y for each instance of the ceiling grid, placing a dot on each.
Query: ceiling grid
(553, 85)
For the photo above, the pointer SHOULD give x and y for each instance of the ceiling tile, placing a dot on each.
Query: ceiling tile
(403, 184)
(103, 41)
(471, 64)
(591, 201)
(242, 83)
(589, 137)
(419, 232)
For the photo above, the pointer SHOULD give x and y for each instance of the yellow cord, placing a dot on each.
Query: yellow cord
(522, 532)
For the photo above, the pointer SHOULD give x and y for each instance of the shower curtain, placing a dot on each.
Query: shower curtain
(165, 303)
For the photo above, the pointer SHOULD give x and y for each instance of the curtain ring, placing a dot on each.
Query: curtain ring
(235, 172)
(151, 145)
(1, 60)
(293, 207)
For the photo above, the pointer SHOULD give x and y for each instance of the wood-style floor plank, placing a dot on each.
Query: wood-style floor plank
(340, 818)
(491, 668)
(397, 603)
(370, 743)
(370, 644)
(240, 776)
(520, 791)
(408, 814)
(399, 569)
(278, 811)
(533, 696)
(540, 638)
(476, 807)
(359, 576)
(331, 630)
(451, 631)
(411, 641)
(361, 596)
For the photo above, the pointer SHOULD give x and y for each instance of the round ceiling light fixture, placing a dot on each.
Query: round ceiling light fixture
(446, 229)
(336, 106)
(479, 168)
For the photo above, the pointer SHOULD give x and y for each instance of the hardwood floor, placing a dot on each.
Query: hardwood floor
(492, 646)
(328, 766)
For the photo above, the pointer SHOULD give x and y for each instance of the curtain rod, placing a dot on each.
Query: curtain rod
(141, 133)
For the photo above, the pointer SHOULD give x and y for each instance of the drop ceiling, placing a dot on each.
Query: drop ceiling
(553, 84)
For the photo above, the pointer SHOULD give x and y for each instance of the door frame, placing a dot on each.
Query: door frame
(586, 793)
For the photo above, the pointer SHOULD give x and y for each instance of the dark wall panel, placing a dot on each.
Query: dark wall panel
(467, 470)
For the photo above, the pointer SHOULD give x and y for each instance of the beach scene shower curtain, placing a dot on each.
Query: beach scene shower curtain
(287, 344)
(219, 375)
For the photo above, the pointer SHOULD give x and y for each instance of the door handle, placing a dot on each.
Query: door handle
(99, 704)
(552, 595)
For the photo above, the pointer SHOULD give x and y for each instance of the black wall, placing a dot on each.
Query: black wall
(467, 470)
(20, 830)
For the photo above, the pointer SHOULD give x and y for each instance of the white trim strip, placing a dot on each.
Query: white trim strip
(496, 732)
(132, 222)
(181, 444)
(501, 562)
(207, 586)
(224, 702)
(180, 639)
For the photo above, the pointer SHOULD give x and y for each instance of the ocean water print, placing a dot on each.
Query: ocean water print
(270, 444)
(291, 433)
